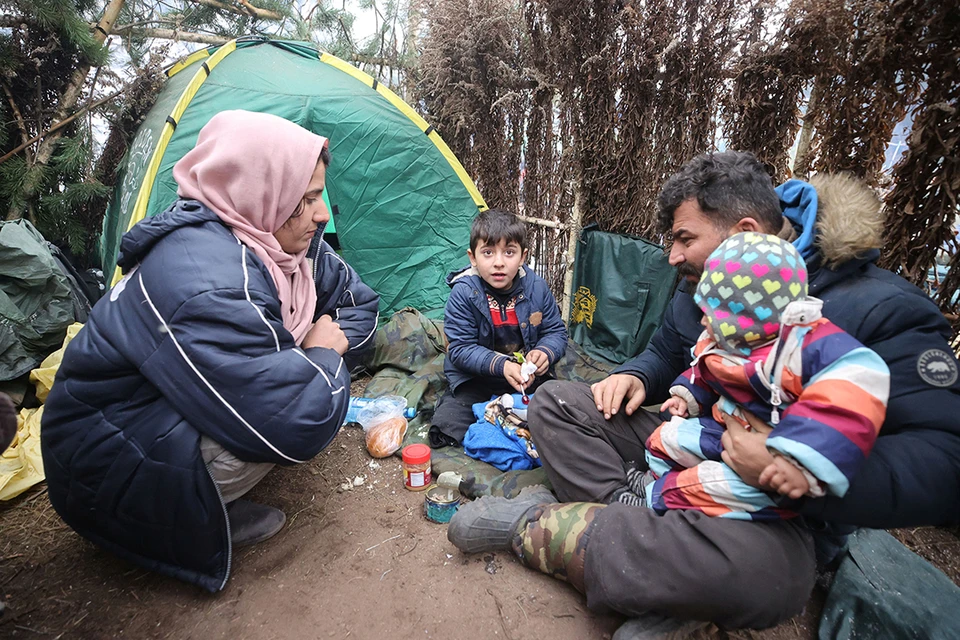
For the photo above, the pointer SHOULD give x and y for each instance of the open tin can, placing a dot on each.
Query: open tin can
(440, 503)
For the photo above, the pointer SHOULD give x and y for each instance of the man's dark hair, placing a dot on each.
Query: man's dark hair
(728, 186)
(493, 225)
(325, 156)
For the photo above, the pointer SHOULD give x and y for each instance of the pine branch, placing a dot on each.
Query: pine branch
(55, 128)
(247, 10)
(24, 132)
(68, 100)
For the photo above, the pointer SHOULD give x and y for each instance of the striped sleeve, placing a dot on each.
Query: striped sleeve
(834, 423)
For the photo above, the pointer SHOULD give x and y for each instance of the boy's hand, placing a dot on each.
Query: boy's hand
(540, 359)
(677, 406)
(783, 477)
(511, 371)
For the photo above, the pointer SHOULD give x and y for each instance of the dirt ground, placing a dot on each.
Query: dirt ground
(357, 559)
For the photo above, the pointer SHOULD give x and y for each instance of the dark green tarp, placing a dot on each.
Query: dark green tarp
(36, 300)
(621, 287)
(884, 590)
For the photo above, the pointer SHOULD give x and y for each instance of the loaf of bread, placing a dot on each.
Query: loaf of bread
(385, 438)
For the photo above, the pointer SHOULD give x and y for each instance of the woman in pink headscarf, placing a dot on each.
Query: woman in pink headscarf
(213, 359)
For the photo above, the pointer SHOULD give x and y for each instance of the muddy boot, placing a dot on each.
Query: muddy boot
(488, 523)
(251, 523)
(653, 626)
(8, 421)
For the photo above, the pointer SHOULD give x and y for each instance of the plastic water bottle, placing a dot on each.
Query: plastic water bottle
(356, 404)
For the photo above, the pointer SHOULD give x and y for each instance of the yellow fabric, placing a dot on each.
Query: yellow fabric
(42, 377)
(21, 465)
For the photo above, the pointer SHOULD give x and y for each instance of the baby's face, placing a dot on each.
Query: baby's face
(705, 322)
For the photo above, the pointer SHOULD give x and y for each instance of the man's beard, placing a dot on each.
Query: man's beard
(689, 271)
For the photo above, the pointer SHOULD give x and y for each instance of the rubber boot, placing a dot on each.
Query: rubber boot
(489, 522)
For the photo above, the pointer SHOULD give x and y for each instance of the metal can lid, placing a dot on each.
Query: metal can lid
(416, 454)
(442, 495)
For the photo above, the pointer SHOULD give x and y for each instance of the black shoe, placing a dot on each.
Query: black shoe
(653, 626)
(251, 523)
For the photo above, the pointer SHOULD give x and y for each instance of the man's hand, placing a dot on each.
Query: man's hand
(783, 477)
(610, 393)
(746, 451)
(677, 406)
(326, 333)
(511, 371)
(540, 359)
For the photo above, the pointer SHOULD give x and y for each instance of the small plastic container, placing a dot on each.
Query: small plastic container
(416, 467)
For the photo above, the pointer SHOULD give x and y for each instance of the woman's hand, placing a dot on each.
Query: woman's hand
(326, 333)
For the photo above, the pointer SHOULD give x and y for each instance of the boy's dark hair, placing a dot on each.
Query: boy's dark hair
(728, 186)
(493, 225)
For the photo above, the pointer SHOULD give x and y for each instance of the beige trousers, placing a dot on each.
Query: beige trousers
(234, 476)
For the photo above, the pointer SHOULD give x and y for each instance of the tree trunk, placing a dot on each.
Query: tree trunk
(801, 162)
(170, 34)
(247, 10)
(68, 101)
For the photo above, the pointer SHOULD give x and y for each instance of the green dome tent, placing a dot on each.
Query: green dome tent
(401, 201)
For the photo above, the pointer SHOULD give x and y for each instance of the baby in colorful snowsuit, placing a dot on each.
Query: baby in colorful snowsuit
(767, 349)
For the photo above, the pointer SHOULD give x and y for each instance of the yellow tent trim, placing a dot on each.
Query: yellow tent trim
(143, 197)
(406, 110)
(186, 62)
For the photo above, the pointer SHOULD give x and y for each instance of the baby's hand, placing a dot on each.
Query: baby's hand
(676, 405)
(783, 477)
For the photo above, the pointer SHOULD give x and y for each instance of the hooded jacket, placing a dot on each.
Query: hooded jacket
(912, 476)
(190, 342)
(469, 328)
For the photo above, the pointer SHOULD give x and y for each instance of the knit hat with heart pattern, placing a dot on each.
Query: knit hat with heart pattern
(746, 284)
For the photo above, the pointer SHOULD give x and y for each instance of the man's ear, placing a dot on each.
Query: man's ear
(473, 261)
(747, 224)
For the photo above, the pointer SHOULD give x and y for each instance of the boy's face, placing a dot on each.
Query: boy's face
(499, 263)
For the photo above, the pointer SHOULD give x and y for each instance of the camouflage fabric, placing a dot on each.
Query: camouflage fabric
(554, 541)
(407, 360)
(482, 479)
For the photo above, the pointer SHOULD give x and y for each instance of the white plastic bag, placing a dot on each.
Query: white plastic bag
(384, 425)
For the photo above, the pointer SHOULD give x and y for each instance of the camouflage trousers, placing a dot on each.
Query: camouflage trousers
(555, 538)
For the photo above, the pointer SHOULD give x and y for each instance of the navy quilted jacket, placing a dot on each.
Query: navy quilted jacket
(190, 342)
(469, 328)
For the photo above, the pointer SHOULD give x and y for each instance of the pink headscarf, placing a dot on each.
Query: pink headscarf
(252, 170)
